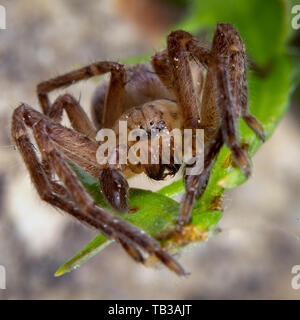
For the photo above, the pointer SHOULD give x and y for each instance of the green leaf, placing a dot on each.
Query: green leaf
(263, 25)
(135, 60)
(95, 246)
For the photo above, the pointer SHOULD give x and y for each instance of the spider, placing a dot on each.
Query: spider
(186, 85)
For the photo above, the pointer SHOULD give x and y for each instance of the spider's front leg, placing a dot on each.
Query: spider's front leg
(226, 78)
(71, 196)
(179, 59)
(195, 185)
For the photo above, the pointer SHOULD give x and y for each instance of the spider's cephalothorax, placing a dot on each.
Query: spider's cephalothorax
(186, 86)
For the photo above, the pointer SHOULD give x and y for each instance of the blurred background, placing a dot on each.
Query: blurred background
(259, 244)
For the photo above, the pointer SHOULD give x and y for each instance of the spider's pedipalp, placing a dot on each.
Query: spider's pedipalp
(114, 188)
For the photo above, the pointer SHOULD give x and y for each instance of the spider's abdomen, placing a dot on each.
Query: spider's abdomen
(142, 85)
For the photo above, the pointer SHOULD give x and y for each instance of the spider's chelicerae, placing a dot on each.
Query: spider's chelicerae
(185, 86)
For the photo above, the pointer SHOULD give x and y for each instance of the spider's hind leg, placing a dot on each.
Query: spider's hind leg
(114, 96)
(227, 61)
(237, 66)
(76, 114)
(231, 82)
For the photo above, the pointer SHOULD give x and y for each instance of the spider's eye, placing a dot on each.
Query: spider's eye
(142, 127)
(138, 138)
(160, 125)
(151, 123)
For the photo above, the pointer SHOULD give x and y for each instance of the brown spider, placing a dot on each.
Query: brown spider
(164, 93)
